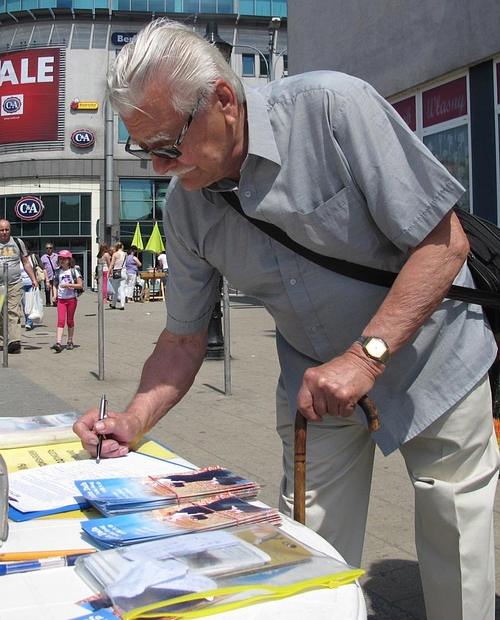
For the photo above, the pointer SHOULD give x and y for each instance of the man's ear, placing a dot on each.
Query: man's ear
(226, 98)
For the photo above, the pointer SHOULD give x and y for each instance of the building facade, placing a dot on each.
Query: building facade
(437, 62)
(64, 174)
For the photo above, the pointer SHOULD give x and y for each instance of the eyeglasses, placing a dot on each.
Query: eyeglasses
(167, 152)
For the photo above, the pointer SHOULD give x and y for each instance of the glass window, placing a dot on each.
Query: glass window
(83, 4)
(13, 5)
(139, 5)
(31, 229)
(85, 228)
(279, 8)
(136, 199)
(124, 5)
(63, 4)
(191, 6)
(451, 147)
(49, 229)
(262, 7)
(161, 189)
(248, 65)
(70, 207)
(29, 4)
(208, 6)
(10, 201)
(70, 229)
(157, 5)
(85, 207)
(122, 131)
(247, 7)
(51, 211)
(16, 229)
(225, 6)
(264, 65)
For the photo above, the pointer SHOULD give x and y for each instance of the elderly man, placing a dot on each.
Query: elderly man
(326, 159)
(12, 253)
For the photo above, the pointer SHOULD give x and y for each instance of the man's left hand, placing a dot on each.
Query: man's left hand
(335, 387)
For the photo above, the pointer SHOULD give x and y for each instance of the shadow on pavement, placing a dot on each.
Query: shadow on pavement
(393, 591)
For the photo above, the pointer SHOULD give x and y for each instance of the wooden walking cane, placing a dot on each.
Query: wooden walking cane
(299, 487)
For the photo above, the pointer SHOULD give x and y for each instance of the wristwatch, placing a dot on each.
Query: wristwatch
(375, 348)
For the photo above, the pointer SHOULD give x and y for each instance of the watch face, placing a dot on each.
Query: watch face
(376, 348)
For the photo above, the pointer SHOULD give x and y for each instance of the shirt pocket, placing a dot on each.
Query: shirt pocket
(341, 227)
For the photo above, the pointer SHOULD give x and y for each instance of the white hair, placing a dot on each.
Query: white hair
(168, 52)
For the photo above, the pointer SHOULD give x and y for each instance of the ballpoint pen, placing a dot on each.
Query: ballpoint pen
(102, 414)
(25, 567)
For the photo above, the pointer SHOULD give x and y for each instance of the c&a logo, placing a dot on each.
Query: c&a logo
(29, 208)
(12, 105)
(82, 138)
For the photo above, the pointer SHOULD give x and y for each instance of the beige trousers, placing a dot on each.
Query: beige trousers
(453, 466)
(15, 311)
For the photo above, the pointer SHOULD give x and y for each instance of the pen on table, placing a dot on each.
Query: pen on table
(25, 567)
(21, 556)
(102, 414)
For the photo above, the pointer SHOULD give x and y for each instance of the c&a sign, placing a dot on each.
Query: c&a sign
(82, 138)
(29, 208)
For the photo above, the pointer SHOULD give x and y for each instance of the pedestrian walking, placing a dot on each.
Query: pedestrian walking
(69, 282)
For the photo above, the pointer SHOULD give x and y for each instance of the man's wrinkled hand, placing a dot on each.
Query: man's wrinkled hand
(121, 431)
(335, 387)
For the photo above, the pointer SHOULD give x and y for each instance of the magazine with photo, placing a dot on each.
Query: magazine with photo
(222, 511)
(132, 494)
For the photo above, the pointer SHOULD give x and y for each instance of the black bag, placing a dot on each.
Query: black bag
(483, 262)
(116, 274)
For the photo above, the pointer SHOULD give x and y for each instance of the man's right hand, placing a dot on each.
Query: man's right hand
(121, 432)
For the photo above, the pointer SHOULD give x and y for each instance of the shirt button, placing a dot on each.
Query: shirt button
(247, 193)
(293, 281)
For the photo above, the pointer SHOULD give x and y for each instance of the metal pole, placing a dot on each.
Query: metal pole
(5, 275)
(227, 338)
(100, 323)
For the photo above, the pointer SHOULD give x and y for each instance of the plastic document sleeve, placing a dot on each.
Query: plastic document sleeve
(202, 574)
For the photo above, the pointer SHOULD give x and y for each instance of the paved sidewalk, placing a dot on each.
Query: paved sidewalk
(209, 427)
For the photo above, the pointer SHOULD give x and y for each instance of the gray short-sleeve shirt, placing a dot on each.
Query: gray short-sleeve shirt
(331, 163)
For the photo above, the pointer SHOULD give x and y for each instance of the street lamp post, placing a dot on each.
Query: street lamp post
(274, 26)
(278, 56)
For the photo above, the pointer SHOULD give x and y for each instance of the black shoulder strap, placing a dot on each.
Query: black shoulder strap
(362, 273)
(16, 241)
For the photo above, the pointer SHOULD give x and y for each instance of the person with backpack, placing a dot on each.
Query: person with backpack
(13, 253)
(327, 160)
(68, 281)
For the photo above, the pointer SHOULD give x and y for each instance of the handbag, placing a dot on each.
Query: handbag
(116, 274)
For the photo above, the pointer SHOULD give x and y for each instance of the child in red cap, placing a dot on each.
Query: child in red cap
(68, 281)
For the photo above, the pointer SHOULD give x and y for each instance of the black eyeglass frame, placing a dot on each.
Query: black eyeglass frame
(167, 152)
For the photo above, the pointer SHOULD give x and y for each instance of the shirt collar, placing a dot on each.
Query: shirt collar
(261, 141)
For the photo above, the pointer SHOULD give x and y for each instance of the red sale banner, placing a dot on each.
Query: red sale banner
(29, 95)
